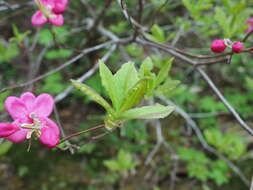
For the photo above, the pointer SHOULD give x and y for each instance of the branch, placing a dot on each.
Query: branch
(73, 60)
(82, 132)
(85, 76)
(224, 101)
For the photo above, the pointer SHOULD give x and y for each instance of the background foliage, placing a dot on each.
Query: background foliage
(120, 160)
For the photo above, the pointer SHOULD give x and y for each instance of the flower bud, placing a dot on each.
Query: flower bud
(218, 46)
(237, 47)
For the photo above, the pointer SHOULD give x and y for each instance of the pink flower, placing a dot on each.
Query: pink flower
(237, 47)
(50, 11)
(30, 115)
(60, 6)
(250, 23)
(218, 46)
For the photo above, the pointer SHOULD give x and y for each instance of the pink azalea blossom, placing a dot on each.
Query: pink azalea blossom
(60, 6)
(250, 23)
(30, 115)
(237, 47)
(218, 46)
(49, 11)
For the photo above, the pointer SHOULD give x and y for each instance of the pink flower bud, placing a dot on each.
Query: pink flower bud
(218, 46)
(58, 20)
(237, 47)
(60, 6)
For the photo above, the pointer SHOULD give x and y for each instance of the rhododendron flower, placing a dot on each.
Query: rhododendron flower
(237, 47)
(30, 115)
(49, 11)
(218, 46)
(250, 23)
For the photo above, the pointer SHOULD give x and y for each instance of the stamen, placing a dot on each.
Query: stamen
(34, 128)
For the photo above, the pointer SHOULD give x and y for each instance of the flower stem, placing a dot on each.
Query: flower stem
(82, 132)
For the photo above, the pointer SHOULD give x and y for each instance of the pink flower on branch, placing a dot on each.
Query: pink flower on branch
(218, 46)
(30, 115)
(237, 47)
(49, 11)
(250, 23)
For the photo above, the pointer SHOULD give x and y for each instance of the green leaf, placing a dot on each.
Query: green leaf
(61, 33)
(158, 34)
(3, 96)
(135, 50)
(112, 165)
(134, 95)
(147, 112)
(164, 71)
(59, 53)
(93, 94)
(8, 51)
(109, 84)
(45, 37)
(5, 147)
(146, 71)
(125, 79)
(146, 67)
(124, 162)
(167, 87)
(18, 36)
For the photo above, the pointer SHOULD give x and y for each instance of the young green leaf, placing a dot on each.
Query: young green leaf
(163, 73)
(146, 67)
(125, 79)
(93, 94)
(147, 112)
(109, 84)
(134, 95)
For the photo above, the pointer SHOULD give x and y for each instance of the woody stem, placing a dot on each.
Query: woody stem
(82, 132)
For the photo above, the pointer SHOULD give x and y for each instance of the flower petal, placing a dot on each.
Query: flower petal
(52, 125)
(18, 136)
(249, 29)
(29, 100)
(6, 129)
(58, 20)
(50, 134)
(15, 107)
(44, 105)
(60, 6)
(38, 18)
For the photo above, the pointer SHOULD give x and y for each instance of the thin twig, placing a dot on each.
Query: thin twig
(225, 102)
(69, 145)
(82, 132)
(73, 60)
(86, 75)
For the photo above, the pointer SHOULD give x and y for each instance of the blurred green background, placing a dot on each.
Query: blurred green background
(119, 160)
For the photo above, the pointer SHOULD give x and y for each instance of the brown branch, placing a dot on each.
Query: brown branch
(71, 61)
(82, 132)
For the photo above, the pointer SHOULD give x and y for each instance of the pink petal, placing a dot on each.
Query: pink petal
(6, 129)
(15, 107)
(44, 105)
(60, 6)
(47, 2)
(57, 21)
(50, 134)
(52, 125)
(38, 18)
(29, 100)
(18, 136)
(249, 29)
